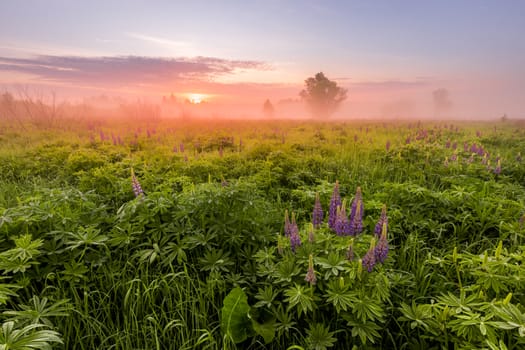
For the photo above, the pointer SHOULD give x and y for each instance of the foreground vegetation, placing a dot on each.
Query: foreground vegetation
(173, 234)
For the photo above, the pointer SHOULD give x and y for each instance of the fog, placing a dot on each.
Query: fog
(392, 100)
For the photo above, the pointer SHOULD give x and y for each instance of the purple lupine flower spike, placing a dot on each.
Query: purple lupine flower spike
(335, 202)
(342, 225)
(497, 170)
(382, 219)
(356, 215)
(317, 214)
(310, 274)
(295, 239)
(381, 249)
(350, 251)
(369, 260)
(137, 189)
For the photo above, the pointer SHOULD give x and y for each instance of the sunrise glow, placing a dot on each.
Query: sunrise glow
(196, 98)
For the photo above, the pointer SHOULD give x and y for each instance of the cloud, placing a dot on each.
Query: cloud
(158, 40)
(117, 71)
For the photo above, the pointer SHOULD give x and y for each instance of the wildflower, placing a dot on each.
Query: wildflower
(350, 251)
(447, 145)
(518, 157)
(342, 225)
(137, 189)
(310, 274)
(383, 219)
(381, 249)
(335, 202)
(387, 146)
(181, 147)
(481, 151)
(445, 163)
(356, 214)
(295, 239)
(455, 145)
(497, 170)
(369, 260)
(317, 214)
(454, 157)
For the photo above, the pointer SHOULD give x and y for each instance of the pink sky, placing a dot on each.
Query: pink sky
(390, 56)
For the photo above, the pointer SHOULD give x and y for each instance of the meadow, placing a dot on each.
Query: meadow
(210, 234)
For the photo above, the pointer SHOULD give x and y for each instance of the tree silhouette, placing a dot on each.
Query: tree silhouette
(268, 109)
(322, 95)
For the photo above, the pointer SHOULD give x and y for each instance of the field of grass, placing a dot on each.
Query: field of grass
(203, 235)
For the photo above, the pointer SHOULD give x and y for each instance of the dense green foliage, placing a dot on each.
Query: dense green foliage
(201, 259)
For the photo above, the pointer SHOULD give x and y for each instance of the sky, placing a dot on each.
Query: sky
(391, 55)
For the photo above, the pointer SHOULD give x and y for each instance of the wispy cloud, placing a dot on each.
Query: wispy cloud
(159, 40)
(125, 70)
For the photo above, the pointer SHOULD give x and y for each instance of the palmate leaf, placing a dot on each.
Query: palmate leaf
(27, 338)
(301, 297)
(319, 337)
(7, 291)
(339, 296)
(366, 331)
(417, 315)
(235, 323)
(512, 317)
(39, 311)
(332, 265)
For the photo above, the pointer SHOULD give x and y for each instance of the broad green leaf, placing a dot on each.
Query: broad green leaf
(235, 323)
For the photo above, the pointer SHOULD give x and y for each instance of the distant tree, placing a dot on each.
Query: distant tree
(268, 109)
(322, 95)
(442, 102)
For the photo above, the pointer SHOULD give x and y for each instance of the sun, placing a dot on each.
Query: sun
(196, 98)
